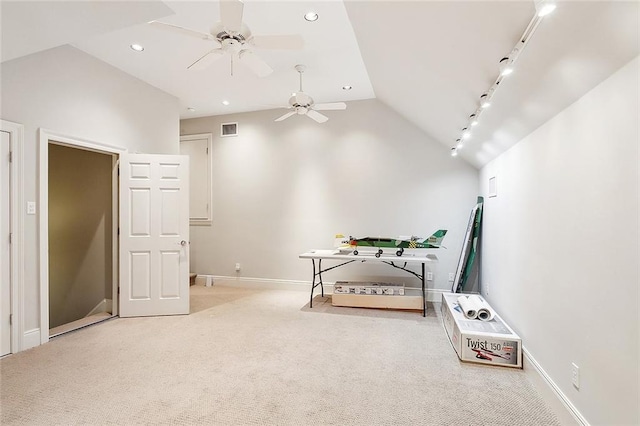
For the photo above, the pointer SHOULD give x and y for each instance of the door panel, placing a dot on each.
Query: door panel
(154, 231)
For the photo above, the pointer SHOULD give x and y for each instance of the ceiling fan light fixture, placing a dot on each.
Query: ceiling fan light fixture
(137, 47)
(545, 7)
(346, 87)
(311, 16)
(191, 109)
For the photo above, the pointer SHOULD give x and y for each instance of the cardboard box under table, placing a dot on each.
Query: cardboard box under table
(373, 295)
(486, 342)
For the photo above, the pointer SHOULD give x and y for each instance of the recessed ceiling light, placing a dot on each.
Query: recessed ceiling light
(225, 102)
(191, 109)
(311, 16)
(137, 47)
(347, 87)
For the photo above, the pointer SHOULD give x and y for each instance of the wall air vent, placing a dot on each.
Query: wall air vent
(228, 129)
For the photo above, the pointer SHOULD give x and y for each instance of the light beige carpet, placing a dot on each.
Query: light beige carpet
(251, 357)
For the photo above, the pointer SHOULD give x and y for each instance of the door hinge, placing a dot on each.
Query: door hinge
(118, 230)
(118, 290)
(11, 156)
(10, 319)
(10, 238)
(207, 150)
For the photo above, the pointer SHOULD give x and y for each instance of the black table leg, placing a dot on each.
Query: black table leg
(313, 282)
(320, 276)
(424, 299)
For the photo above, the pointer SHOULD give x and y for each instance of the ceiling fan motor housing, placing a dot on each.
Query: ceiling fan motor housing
(221, 34)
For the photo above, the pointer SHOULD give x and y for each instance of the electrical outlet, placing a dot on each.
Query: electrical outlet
(575, 375)
(237, 267)
(429, 276)
(452, 276)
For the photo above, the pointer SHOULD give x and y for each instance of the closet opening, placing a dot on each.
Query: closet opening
(82, 232)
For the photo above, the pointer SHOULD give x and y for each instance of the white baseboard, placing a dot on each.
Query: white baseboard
(30, 339)
(568, 414)
(433, 295)
(257, 283)
(102, 306)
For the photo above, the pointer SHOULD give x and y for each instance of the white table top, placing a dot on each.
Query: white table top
(370, 256)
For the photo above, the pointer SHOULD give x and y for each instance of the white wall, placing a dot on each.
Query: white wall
(69, 92)
(280, 189)
(560, 247)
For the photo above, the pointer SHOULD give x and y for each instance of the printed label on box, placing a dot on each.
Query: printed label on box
(494, 351)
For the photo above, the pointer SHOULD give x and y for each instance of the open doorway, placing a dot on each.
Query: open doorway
(150, 229)
(81, 237)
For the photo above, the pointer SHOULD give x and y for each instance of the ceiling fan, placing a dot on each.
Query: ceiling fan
(302, 104)
(231, 36)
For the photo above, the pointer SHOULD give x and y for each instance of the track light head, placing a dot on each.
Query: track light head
(485, 101)
(545, 7)
(454, 152)
(506, 66)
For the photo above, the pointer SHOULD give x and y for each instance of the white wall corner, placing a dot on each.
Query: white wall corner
(567, 413)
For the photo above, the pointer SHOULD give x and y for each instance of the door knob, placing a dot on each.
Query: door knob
(183, 243)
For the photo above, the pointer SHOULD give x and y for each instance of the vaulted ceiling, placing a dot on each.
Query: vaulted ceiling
(428, 60)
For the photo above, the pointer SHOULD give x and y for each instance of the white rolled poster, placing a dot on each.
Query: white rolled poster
(484, 311)
(468, 307)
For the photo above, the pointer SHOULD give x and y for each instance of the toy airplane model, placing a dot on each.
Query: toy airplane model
(486, 354)
(400, 243)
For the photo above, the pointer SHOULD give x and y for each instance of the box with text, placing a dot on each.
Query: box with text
(486, 342)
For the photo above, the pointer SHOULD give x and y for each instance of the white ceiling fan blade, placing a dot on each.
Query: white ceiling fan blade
(231, 15)
(317, 116)
(330, 106)
(182, 30)
(255, 64)
(206, 60)
(289, 42)
(285, 116)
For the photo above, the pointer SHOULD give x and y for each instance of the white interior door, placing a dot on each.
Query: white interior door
(154, 235)
(5, 246)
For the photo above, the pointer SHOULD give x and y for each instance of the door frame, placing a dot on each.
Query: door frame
(45, 137)
(16, 144)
